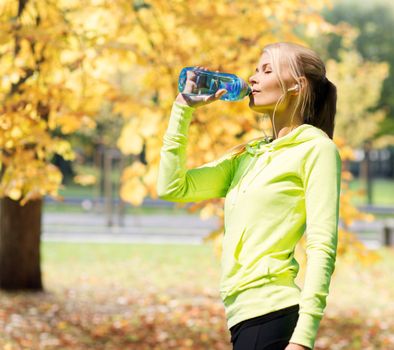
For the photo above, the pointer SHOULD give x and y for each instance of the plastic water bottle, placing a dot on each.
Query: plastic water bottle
(208, 82)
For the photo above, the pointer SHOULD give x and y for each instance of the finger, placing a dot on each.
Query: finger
(220, 93)
(190, 86)
(217, 95)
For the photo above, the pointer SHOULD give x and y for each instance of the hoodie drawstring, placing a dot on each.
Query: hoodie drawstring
(265, 158)
(252, 162)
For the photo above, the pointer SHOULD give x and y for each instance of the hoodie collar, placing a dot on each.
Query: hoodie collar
(301, 133)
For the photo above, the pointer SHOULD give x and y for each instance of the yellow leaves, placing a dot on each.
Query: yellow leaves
(4, 37)
(9, 346)
(79, 74)
(72, 122)
(133, 190)
(5, 83)
(139, 128)
(70, 56)
(94, 21)
(9, 144)
(130, 141)
(357, 95)
(16, 132)
(347, 175)
(26, 178)
(150, 180)
(85, 179)
(204, 141)
(125, 107)
(63, 148)
(152, 145)
(149, 121)
(209, 210)
(346, 153)
(353, 250)
(16, 74)
(383, 141)
(68, 123)
(15, 193)
(267, 11)
(69, 81)
(136, 169)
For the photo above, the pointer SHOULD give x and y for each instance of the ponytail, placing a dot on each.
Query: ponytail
(323, 107)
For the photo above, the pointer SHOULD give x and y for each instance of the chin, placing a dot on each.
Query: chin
(257, 108)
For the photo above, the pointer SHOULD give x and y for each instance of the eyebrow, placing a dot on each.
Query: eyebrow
(264, 65)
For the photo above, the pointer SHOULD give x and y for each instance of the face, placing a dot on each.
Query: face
(266, 88)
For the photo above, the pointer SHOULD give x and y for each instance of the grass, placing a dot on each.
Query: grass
(161, 266)
(165, 265)
(382, 192)
(74, 208)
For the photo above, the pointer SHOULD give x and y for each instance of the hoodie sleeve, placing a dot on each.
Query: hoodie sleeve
(322, 183)
(178, 184)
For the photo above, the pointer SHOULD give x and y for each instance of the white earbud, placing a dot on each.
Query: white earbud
(295, 88)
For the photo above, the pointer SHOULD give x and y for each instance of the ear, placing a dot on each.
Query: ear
(302, 83)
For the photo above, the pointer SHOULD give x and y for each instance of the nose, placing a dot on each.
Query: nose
(252, 79)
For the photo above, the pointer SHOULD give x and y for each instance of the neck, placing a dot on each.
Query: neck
(285, 130)
(283, 125)
(284, 122)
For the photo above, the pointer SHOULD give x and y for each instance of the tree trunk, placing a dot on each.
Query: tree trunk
(20, 230)
(20, 226)
(367, 171)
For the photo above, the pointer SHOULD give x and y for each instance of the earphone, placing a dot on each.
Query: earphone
(295, 88)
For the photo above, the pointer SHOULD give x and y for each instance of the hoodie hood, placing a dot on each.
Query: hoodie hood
(301, 133)
(266, 147)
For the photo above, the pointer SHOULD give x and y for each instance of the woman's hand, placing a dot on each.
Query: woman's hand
(293, 346)
(197, 100)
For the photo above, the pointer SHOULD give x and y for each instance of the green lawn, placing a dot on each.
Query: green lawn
(132, 264)
(382, 192)
(71, 208)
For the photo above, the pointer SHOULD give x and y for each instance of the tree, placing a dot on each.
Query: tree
(357, 118)
(374, 22)
(167, 37)
(55, 76)
(59, 63)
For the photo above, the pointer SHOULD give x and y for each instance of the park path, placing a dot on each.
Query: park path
(155, 228)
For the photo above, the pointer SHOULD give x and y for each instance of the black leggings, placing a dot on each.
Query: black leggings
(271, 331)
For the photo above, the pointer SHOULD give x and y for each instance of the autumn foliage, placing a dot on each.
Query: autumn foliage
(58, 65)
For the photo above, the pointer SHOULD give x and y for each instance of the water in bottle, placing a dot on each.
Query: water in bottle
(208, 82)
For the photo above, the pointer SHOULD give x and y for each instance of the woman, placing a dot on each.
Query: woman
(275, 189)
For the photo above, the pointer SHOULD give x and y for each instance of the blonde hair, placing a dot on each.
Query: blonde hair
(317, 105)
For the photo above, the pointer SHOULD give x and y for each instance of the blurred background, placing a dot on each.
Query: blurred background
(90, 258)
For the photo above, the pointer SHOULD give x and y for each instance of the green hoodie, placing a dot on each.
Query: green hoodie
(274, 192)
